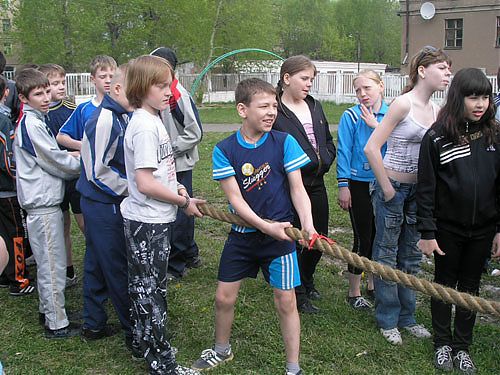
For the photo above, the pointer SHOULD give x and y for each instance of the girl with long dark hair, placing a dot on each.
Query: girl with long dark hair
(458, 207)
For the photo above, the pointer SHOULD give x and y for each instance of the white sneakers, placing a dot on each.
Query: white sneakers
(419, 331)
(393, 335)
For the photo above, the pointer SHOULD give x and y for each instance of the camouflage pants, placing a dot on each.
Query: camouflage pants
(148, 247)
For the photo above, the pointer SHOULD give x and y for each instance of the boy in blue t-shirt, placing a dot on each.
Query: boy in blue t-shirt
(102, 69)
(259, 171)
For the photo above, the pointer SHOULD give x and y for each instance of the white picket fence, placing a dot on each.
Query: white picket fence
(334, 87)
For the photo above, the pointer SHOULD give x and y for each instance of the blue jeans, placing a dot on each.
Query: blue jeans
(395, 245)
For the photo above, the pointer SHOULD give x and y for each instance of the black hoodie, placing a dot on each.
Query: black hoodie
(287, 122)
(458, 184)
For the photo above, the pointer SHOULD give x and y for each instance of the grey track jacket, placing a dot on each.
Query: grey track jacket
(41, 166)
(184, 129)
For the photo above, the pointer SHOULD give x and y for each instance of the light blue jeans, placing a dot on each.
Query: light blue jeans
(395, 245)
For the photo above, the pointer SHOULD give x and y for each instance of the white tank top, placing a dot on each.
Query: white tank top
(403, 144)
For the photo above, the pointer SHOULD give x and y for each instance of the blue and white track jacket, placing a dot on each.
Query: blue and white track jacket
(353, 134)
(103, 176)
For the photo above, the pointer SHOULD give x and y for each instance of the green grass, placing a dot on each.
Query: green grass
(331, 341)
(225, 113)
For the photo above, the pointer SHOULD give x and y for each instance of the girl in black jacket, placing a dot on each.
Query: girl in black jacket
(458, 206)
(300, 115)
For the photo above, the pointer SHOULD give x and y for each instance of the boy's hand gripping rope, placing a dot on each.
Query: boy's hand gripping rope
(330, 247)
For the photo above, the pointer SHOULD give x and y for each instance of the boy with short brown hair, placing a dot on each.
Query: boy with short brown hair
(60, 110)
(259, 171)
(41, 170)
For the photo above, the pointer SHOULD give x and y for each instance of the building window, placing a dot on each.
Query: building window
(6, 25)
(7, 48)
(454, 30)
(497, 44)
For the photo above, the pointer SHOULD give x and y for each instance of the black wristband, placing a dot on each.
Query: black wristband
(185, 205)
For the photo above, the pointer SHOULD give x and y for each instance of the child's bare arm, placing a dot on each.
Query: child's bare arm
(68, 142)
(148, 185)
(301, 201)
(276, 230)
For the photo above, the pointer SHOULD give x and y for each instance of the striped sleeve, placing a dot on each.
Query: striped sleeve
(294, 157)
(222, 168)
(73, 125)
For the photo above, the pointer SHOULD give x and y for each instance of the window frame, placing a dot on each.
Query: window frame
(455, 30)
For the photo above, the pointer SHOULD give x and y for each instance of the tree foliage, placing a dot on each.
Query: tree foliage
(71, 32)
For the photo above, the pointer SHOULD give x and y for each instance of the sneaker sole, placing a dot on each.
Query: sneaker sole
(230, 358)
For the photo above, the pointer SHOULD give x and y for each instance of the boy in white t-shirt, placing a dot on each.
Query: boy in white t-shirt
(150, 210)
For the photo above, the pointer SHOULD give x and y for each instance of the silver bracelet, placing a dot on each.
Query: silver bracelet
(185, 205)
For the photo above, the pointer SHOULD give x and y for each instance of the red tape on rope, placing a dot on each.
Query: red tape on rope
(317, 236)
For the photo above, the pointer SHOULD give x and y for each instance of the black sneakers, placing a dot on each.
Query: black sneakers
(72, 316)
(71, 330)
(359, 303)
(442, 358)
(17, 289)
(306, 307)
(92, 334)
(194, 262)
(463, 363)
(313, 294)
(210, 358)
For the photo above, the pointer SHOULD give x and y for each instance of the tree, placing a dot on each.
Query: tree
(377, 24)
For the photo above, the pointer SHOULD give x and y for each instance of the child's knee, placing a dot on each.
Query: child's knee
(285, 301)
(224, 300)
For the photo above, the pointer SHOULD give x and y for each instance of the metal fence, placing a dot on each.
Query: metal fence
(335, 87)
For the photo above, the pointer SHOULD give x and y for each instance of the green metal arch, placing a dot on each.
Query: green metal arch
(198, 79)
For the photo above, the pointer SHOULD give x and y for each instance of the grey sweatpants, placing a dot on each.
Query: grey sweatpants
(46, 236)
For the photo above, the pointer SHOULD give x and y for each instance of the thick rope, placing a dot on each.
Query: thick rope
(387, 273)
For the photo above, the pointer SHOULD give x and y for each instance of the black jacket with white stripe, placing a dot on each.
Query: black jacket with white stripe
(458, 184)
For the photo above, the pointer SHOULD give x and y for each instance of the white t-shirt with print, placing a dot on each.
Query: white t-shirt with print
(147, 145)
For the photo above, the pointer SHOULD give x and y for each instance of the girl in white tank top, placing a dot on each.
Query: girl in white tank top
(393, 196)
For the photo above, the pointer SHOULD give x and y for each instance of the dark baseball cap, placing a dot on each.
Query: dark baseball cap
(167, 54)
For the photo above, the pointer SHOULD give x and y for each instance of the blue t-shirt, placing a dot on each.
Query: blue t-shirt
(58, 114)
(75, 125)
(261, 172)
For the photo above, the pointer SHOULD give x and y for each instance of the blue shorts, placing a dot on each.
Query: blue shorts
(245, 253)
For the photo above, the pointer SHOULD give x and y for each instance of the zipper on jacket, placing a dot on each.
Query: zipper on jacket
(473, 174)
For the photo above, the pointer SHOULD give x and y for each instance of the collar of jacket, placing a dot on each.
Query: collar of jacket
(27, 109)
(109, 103)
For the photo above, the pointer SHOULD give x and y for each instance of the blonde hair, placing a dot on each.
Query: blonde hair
(51, 70)
(120, 74)
(142, 73)
(101, 62)
(370, 74)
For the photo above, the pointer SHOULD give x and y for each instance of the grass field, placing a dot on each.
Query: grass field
(336, 341)
(225, 113)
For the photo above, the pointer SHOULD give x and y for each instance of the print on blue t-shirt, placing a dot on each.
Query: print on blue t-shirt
(261, 172)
